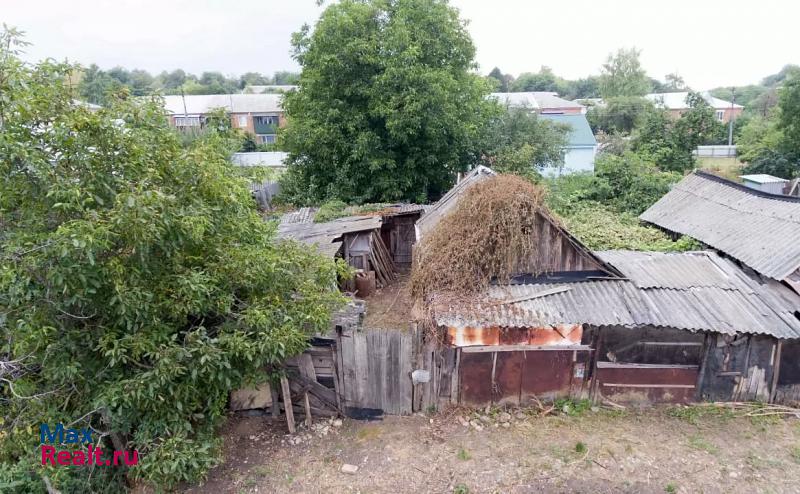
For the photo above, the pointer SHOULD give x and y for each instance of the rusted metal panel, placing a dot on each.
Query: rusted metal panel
(559, 335)
(647, 383)
(476, 378)
(546, 375)
(507, 377)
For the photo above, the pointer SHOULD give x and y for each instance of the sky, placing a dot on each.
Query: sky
(709, 43)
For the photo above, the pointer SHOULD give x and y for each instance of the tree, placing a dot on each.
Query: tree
(517, 141)
(620, 114)
(95, 85)
(789, 116)
(623, 75)
(669, 142)
(502, 80)
(675, 82)
(544, 80)
(138, 283)
(390, 106)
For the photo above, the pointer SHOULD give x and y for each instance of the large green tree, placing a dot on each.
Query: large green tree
(138, 284)
(390, 105)
(623, 75)
(789, 116)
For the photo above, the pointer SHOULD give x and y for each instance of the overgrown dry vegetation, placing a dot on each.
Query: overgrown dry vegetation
(484, 237)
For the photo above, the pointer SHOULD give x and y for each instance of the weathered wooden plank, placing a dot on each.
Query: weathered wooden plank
(287, 401)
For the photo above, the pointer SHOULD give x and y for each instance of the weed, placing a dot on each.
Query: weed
(580, 447)
(697, 441)
(461, 489)
(796, 454)
(431, 409)
(757, 462)
(463, 454)
(368, 432)
(693, 414)
(571, 407)
(671, 488)
(250, 482)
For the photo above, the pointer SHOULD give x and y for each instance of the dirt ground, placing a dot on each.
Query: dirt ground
(390, 307)
(654, 451)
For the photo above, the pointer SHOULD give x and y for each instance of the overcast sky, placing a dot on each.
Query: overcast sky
(708, 42)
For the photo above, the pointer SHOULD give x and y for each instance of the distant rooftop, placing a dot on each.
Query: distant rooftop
(763, 178)
(677, 101)
(535, 100)
(269, 88)
(197, 104)
(267, 159)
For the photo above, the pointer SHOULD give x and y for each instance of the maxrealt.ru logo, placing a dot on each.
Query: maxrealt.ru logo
(61, 435)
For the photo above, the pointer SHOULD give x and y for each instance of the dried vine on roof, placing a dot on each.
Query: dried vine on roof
(492, 228)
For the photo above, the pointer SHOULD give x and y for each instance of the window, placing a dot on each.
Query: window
(266, 138)
(242, 121)
(720, 115)
(187, 121)
(267, 120)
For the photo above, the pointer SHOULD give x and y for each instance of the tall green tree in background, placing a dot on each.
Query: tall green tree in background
(390, 106)
(789, 116)
(623, 75)
(138, 284)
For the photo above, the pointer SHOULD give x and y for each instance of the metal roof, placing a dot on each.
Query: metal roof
(580, 134)
(763, 178)
(655, 294)
(272, 159)
(535, 100)
(677, 101)
(199, 104)
(761, 230)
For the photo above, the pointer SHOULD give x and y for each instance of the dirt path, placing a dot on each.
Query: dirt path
(598, 451)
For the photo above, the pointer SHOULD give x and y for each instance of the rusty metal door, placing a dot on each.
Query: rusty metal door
(514, 377)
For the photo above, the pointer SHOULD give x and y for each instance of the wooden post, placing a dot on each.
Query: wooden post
(776, 369)
(307, 370)
(287, 404)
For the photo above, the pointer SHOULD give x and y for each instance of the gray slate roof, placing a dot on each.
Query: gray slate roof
(695, 291)
(759, 229)
(325, 236)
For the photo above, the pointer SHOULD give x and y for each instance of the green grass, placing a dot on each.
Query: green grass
(698, 442)
(461, 489)
(580, 447)
(463, 454)
(671, 488)
(694, 414)
(571, 407)
(727, 167)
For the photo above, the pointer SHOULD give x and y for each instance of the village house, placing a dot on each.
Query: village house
(581, 147)
(257, 114)
(676, 104)
(619, 325)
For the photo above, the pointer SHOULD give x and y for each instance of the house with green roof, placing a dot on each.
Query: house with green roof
(581, 145)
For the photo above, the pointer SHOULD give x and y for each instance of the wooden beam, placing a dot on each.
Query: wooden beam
(287, 402)
(776, 369)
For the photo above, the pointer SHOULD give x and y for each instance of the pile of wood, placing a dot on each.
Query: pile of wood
(381, 261)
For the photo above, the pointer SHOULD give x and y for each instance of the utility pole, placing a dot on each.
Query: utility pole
(730, 120)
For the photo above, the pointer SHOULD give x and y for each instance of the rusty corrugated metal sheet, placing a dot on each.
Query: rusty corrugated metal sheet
(742, 304)
(559, 335)
(761, 230)
(647, 383)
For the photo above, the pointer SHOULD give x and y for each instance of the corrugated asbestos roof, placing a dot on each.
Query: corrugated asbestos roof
(695, 291)
(759, 229)
(268, 159)
(677, 101)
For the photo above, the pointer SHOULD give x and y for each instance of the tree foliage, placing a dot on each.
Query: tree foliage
(619, 115)
(669, 142)
(390, 106)
(138, 284)
(97, 85)
(518, 142)
(623, 75)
